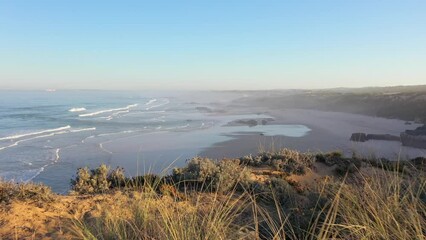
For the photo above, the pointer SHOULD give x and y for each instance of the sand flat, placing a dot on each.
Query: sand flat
(329, 131)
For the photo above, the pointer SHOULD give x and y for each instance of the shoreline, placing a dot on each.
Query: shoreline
(330, 131)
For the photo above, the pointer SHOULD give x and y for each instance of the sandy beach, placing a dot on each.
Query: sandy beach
(217, 128)
(329, 131)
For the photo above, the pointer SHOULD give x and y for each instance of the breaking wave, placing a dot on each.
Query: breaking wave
(77, 110)
(108, 110)
(34, 133)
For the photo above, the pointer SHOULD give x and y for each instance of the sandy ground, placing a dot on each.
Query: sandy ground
(329, 131)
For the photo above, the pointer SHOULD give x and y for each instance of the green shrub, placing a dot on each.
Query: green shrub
(230, 173)
(10, 191)
(285, 160)
(198, 169)
(117, 178)
(98, 180)
(282, 190)
(251, 161)
(330, 158)
(348, 166)
(147, 181)
(219, 176)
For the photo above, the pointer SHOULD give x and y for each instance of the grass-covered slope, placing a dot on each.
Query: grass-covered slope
(406, 103)
(272, 195)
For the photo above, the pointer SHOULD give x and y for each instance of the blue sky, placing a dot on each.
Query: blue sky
(211, 44)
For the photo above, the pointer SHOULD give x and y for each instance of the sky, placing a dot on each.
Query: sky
(211, 45)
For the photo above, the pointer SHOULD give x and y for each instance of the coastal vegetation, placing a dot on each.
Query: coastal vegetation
(284, 194)
(400, 102)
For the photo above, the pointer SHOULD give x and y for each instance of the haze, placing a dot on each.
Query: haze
(192, 45)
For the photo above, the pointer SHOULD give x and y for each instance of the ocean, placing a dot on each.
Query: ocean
(45, 136)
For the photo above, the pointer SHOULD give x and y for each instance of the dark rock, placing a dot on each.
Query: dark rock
(385, 137)
(420, 131)
(250, 123)
(417, 141)
(359, 137)
(362, 137)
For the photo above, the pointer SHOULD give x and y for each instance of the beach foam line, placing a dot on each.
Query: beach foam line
(77, 109)
(83, 130)
(35, 133)
(114, 133)
(116, 114)
(89, 137)
(57, 155)
(120, 112)
(151, 101)
(167, 101)
(29, 139)
(38, 171)
(22, 175)
(101, 146)
(128, 107)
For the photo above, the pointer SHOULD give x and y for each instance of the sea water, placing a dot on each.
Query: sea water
(46, 136)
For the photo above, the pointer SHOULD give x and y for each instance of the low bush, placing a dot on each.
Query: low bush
(10, 191)
(286, 160)
(98, 180)
(329, 158)
(207, 174)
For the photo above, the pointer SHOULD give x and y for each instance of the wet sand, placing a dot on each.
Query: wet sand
(329, 131)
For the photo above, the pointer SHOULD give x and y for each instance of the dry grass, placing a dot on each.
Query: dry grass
(384, 205)
(387, 205)
(10, 191)
(146, 215)
(371, 203)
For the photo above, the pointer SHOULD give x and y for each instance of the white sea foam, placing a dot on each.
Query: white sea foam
(22, 175)
(34, 133)
(101, 146)
(83, 130)
(37, 172)
(114, 133)
(108, 110)
(151, 101)
(84, 140)
(120, 112)
(29, 139)
(206, 125)
(28, 174)
(116, 114)
(166, 101)
(57, 154)
(77, 109)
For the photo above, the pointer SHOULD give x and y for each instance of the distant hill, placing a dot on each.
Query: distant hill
(401, 102)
